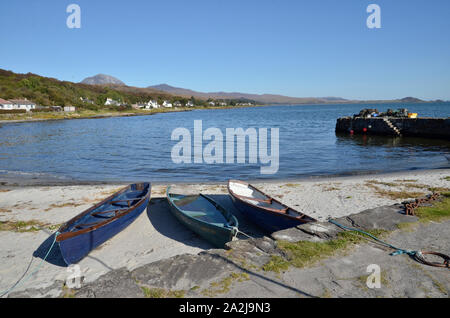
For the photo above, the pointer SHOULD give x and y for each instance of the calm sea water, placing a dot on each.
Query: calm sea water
(139, 148)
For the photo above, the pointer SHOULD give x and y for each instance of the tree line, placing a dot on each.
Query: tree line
(46, 91)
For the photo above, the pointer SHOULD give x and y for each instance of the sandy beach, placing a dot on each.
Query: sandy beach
(156, 235)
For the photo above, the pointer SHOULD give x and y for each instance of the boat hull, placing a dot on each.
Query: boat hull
(74, 248)
(263, 210)
(265, 220)
(204, 216)
(217, 236)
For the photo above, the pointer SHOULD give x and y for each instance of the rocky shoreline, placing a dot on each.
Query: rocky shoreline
(238, 271)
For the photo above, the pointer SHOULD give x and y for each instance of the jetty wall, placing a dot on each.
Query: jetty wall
(416, 127)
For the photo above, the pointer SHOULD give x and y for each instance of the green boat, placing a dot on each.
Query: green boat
(204, 216)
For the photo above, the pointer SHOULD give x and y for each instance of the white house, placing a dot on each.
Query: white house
(167, 104)
(212, 104)
(177, 104)
(152, 104)
(23, 104)
(111, 102)
(6, 104)
(190, 104)
(69, 108)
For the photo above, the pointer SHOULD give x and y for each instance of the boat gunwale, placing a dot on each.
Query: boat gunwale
(221, 210)
(269, 210)
(66, 235)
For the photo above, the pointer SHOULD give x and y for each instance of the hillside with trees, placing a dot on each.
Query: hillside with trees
(47, 91)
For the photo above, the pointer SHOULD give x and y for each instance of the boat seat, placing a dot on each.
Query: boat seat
(268, 201)
(85, 225)
(122, 202)
(137, 192)
(196, 214)
(109, 211)
(104, 216)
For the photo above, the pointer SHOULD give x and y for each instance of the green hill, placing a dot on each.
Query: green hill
(47, 91)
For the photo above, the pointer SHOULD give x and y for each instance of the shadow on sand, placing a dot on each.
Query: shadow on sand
(165, 223)
(55, 257)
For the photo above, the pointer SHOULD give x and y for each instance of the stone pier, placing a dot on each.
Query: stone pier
(415, 127)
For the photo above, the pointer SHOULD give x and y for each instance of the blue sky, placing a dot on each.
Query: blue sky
(296, 48)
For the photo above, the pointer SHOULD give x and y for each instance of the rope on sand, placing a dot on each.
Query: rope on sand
(417, 255)
(25, 278)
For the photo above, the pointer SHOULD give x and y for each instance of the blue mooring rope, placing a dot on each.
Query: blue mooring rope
(32, 273)
(398, 251)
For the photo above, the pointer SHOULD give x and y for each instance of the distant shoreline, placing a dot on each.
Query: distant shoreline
(85, 114)
(101, 115)
(95, 116)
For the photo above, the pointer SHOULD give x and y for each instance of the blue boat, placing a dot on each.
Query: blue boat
(263, 210)
(204, 216)
(101, 222)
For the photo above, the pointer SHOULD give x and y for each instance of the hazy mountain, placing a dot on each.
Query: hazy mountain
(261, 98)
(411, 100)
(102, 79)
(175, 90)
(272, 98)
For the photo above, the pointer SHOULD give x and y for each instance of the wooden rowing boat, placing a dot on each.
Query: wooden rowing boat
(204, 216)
(265, 211)
(101, 222)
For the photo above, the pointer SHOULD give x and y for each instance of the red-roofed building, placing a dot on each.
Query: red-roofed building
(6, 104)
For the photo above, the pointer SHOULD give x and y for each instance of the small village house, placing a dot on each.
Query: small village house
(86, 100)
(69, 108)
(6, 104)
(190, 104)
(111, 102)
(153, 104)
(23, 104)
(149, 105)
(177, 104)
(167, 104)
